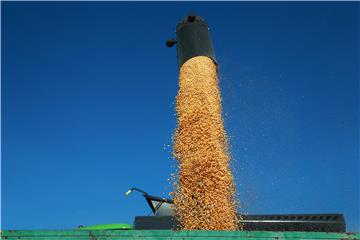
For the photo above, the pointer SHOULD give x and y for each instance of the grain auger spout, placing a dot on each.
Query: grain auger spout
(192, 39)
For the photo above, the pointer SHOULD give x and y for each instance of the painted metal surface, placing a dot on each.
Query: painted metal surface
(167, 234)
(111, 226)
(192, 39)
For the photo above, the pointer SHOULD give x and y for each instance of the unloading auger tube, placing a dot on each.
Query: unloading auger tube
(192, 39)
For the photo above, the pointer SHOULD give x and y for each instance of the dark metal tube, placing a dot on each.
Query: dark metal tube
(192, 39)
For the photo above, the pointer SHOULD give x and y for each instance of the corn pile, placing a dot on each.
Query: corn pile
(204, 197)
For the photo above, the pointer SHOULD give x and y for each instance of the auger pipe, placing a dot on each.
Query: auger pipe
(192, 39)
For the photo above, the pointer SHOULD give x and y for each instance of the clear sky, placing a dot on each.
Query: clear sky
(88, 94)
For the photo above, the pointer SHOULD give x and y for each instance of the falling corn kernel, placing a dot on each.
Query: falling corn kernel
(204, 195)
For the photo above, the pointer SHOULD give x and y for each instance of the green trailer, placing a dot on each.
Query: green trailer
(81, 234)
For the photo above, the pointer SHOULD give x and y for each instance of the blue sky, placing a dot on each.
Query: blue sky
(88, 95)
